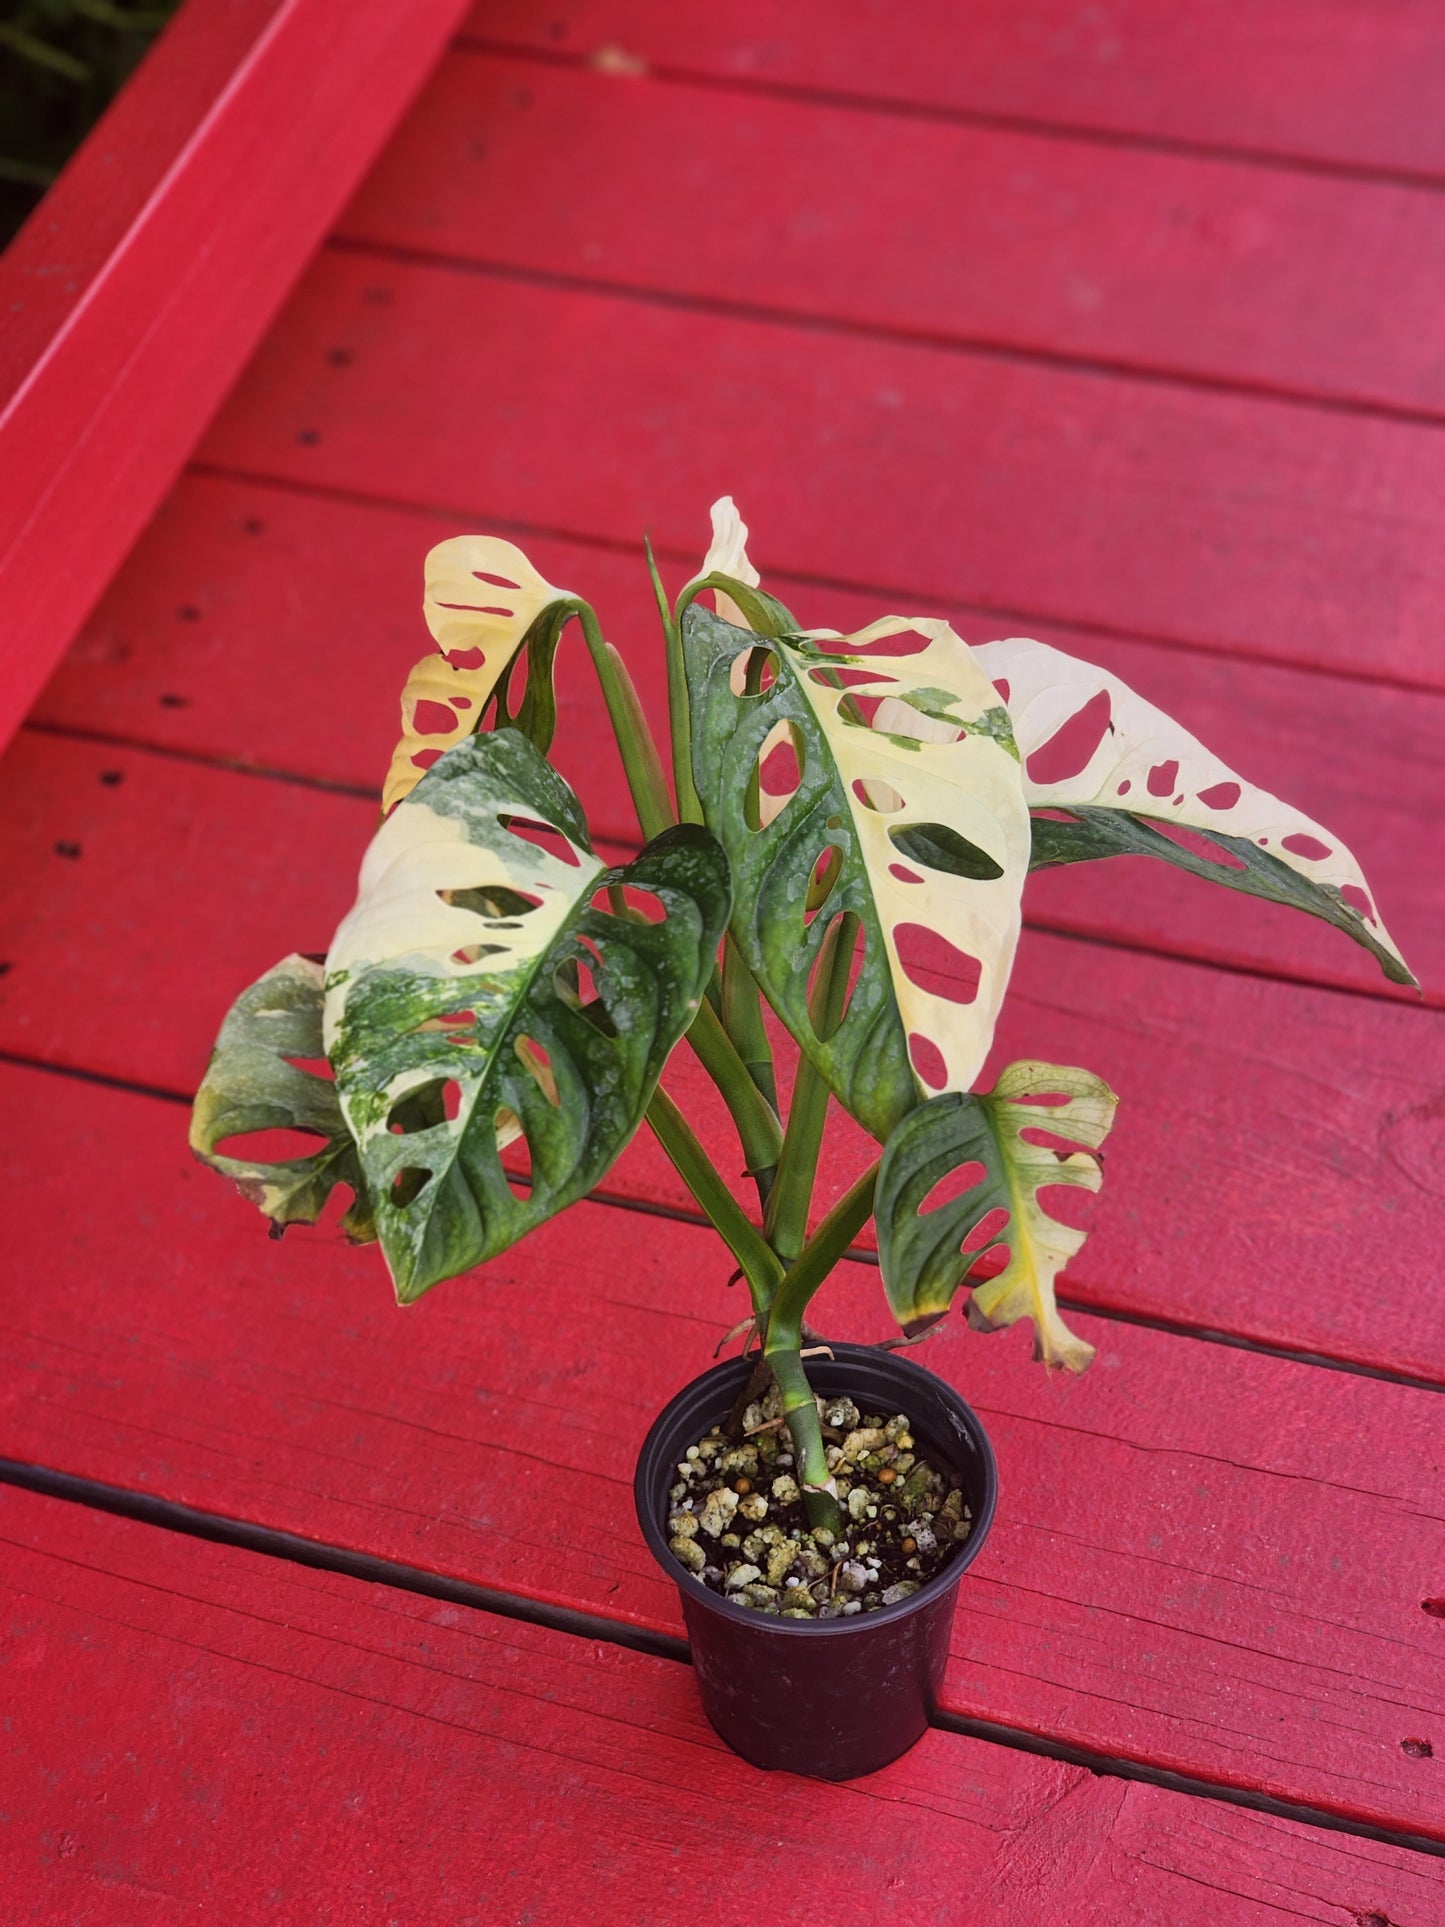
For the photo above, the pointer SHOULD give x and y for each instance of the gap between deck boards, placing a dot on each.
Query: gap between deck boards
(650, 1208)
(169, 1516)
(1010, 614)
(977, 347)
(851, 101)
(618, 849)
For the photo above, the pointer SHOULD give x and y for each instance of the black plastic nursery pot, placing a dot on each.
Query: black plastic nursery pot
(833, 1698)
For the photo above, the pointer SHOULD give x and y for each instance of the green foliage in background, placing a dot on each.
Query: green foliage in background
(61, 62)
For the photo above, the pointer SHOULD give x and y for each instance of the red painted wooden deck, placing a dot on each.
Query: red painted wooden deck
(1117, 325)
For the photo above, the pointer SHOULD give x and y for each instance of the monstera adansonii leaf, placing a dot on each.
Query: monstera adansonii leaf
(926, 844)
(989, 1156)
(496, 981)
(258, 1080)
(1118, 778)
(483, 598)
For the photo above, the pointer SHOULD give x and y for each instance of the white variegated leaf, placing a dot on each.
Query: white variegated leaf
(1137, 768)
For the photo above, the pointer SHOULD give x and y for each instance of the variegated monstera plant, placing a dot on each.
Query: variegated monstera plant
(846, 837)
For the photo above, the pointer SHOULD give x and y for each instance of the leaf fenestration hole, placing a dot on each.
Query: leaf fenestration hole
(952, 1185)
(434, 719)
(903, 873)
(1309, 847)
(823, 881)
(780, 765)
(534, 1058)
(637, 905)
(516, 1152)
(497, 902)
(908, 642)
(844, 678)
(471, 954)
(496, 581)
(874, 793)
(1358, 901)
(1198, 843)
(282, 1144)
(988, 1230)
(1071, 748)
(753, 671)
(1220, 796)
(937, 847)
(314, 1067)
(466, 658)
(935, 965)
(838, 924)
(407, 1186)
(543, 836)
(928, 1060)
(1163, 777)
(987, 1265)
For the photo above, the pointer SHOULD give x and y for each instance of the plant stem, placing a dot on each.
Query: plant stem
(757, 1123)
(760, 1266)
(800, 1409)
(827, 1245)
(689, 809)
(782, 1344)
(742, 1017)
(790, 1200)
(640, 760)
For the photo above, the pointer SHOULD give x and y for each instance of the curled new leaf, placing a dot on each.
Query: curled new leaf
(924, 843)
(257, 1081)
(496, 983)
(1118, 777)
(991, 1155)
(482, 598)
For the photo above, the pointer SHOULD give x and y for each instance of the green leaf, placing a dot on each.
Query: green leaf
(460, 1005)
(920, 1244)
(925, 822)
(255, 1082)
(1145, 787)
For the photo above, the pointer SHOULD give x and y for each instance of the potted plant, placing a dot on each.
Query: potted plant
(844, 844)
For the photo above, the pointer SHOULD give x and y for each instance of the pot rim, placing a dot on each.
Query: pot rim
(693, 1588)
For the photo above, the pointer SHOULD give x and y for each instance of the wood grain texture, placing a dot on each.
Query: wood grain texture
(1255, 528)
(1205, 1560)
(1300, 1130)
(128, 309)
(1207, 269)
(333, 588)
(436, 1763)
(1338, 82)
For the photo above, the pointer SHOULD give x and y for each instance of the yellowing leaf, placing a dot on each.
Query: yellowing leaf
(1121, 778)
(921, 1246)
(482, 596)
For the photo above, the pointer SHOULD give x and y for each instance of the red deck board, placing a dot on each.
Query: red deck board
(1205, 1560)
(1342, 82)
(1254, 527)
(437, 1763)
(190, 881)
(1039, 243)
(233, 573)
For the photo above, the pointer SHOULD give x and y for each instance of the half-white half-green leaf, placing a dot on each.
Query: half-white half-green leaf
(924, 843)
(1115, 776)
(961, 1176)
(494, 983)
(268, 1073)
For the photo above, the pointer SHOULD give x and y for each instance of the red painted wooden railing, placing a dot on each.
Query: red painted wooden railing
(132, 298)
